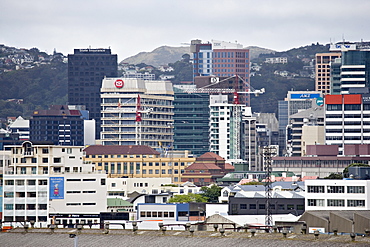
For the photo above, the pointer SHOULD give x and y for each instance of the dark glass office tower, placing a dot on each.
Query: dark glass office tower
(191, 119)
(86, 70)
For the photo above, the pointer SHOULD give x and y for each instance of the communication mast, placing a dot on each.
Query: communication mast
(268, 153)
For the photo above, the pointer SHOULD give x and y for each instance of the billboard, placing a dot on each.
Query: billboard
(56, 188)
(304, 95)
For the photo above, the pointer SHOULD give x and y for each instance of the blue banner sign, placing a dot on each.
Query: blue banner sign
(56, 188)
(304, 95)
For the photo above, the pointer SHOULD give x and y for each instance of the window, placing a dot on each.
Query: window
(102, 181)
(315, 189)
(43, 182)
(8, 194)
(31, 182)
(8, 206)
(316, 202)
(281, 207)
(73, 204)
(9, 182)
(89, 192)
(45, 150)
(290, 206)
(113, 184)
(73, 192)
(356, 189)
(57, 160)
(335, 189)
(42, 194)
(335, 202)
(243, 206)
(43, 206)
(20, 207)
(261, 206)
(89, 203)
(45, 160)
(252, 206)
(73, 180)
(356, 203)
(19, 182)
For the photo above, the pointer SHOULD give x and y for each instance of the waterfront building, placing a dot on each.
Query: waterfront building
(334, 194)
(45, 181)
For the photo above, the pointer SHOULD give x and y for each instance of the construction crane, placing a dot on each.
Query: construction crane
(138, 110)
(237, 115)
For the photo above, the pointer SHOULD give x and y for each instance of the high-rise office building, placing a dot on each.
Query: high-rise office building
(86, 70)
(222, 59)
(191, 119)
(355, 70)
(295, 102)
(323, 67)
(347, 120)
(137, 112)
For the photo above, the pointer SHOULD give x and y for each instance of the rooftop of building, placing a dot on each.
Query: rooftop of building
(120, 149)
(61, 237)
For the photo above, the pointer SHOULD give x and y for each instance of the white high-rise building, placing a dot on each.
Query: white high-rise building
(137, 112)
(226, 128)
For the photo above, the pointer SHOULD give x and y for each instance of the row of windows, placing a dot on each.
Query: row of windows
(272, 206)
(25, 206)
(335, 203)
(157, 214)
(22, 182)
(335, 189)
(79, 192)
(79, 204)
(121, 156)
(24, 194)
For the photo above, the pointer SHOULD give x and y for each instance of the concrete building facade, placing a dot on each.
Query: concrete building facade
(137, 112)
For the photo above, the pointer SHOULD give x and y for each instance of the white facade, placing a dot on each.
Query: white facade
(125, 186)
(36, 183)
(121, 108)
(225, 128)
(89, 132)
(352, 76)
(328, 194)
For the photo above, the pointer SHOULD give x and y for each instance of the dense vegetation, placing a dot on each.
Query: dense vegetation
(39, 87)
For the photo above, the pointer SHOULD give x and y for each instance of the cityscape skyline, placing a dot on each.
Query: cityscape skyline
(126, 26)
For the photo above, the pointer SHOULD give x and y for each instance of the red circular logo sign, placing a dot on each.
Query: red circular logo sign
(118, 83)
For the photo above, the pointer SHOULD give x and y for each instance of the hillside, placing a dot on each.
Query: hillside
(42, 79)
(165, 54)
(160, 56)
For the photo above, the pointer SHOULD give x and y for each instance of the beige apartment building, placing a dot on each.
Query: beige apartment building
(323, 61)
(138, 161)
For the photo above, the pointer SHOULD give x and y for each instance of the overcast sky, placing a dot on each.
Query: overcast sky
(130, 27)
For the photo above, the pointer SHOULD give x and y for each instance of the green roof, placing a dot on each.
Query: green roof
(114, 202)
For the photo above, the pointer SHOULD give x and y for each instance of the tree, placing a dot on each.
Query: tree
(334, 176)
(345, 171)
(188, 198)
(211, 193)
(253, 183)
